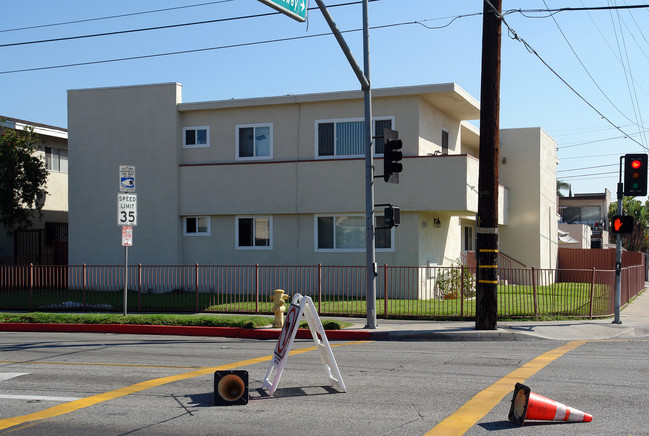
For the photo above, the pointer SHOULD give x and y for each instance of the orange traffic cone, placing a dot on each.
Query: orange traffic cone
(528, 405)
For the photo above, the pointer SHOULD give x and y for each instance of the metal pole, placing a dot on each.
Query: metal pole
(618, 252)
(125, 278)
(370, 261)
(364, 79)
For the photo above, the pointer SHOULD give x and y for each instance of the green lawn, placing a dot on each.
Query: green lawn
(559, 299)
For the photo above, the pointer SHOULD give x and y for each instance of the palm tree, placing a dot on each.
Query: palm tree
(562, 186)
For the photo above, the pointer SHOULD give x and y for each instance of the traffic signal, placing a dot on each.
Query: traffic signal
(392, 216)
(622, 224)
(392, 156)
(635, 175)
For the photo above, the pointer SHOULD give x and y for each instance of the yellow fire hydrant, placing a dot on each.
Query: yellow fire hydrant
(278, 298)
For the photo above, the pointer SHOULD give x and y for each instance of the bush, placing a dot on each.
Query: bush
(450, 281)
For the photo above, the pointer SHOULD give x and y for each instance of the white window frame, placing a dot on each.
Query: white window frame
(196, 129)
(347, 250)
(345, 120)
(197, 233)
(254, 218)
(254, 127)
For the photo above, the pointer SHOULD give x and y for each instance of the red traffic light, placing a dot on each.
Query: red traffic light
(635, 175)
(622, 224)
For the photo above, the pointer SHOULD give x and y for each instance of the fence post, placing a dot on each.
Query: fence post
(196, 286)
(385, 289)
(461, 291)
(257, 288)
(31, 286)
(139, 286)
(536, 302)
(83, 282)
(592, 293)
(319, 288)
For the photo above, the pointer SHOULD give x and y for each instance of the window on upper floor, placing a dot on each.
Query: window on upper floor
(255, 141)
(254, 233)
(345, 138)
(196, 137)
(196, 226)
(56, 159)
(444, 141)
(347, 233)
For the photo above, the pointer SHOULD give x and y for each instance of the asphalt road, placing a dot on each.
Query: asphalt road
(105, 384)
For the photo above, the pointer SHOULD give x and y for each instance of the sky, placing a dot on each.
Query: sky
(582, 76)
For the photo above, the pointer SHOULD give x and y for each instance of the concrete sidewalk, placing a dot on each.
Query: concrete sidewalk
(634, 324)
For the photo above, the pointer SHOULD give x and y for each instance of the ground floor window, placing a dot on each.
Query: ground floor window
(347, 233)
(254, 232)
(468, 238)
(196, 226)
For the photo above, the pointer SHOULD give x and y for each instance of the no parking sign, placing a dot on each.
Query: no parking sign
(289, 329)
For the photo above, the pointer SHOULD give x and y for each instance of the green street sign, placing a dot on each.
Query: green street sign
(295, 9)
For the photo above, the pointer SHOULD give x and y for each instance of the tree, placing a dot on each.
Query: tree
(23, 176)
(563, 186)
(638, 240)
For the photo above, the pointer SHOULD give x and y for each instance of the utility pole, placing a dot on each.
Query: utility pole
(487, 225)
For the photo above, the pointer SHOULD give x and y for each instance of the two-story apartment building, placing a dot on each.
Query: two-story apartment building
(280, 180)
(46, 241)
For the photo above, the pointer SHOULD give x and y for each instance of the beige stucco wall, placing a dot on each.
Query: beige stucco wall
(110, 127)
(528, 169)
(142, 126)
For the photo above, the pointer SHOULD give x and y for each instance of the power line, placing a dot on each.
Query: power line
(590, 156)
(551, 12)
(587, 168)
(198, 50)
(87, 20)
(587, 176)
(574, 52)
(531, 50)
(147, 29)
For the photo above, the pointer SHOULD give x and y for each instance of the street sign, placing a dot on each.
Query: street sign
(126, 178)
(295, 9)
(127, 236)
(126, 209)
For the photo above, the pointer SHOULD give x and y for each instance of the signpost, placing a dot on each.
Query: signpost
(295, 9)
(126, 216)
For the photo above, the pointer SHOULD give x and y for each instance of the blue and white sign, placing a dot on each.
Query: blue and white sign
(126, 178)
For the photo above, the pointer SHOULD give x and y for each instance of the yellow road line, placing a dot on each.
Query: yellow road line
(477, 407)
(72, 406)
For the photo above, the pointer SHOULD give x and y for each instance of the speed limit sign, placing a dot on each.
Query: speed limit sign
(126, 209)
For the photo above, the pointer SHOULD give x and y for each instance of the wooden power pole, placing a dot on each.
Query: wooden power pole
(487, 225)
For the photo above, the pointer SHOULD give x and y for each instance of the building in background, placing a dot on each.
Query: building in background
(590, 210)
(46, 242)
(281, 180)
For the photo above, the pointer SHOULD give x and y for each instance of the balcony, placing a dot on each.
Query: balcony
(446, 184)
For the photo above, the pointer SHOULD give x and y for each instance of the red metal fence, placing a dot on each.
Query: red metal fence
(421, 292)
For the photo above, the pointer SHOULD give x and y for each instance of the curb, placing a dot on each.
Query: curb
(227, 332)
(273, 333)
